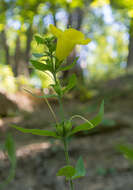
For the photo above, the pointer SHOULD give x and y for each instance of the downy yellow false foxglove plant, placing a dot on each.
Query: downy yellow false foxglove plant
(52, 61)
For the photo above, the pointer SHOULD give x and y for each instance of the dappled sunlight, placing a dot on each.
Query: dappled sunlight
(32, 149)
(27, 150)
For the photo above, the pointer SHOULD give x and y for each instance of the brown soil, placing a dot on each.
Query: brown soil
(38, 158)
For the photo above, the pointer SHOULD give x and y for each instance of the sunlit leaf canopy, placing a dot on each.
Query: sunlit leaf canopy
(122, 4)
(99, 3)
(71, 3)
(106, 54)
(126, 5)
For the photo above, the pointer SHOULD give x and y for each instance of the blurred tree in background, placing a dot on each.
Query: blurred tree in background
(127, 8)
(108, 23)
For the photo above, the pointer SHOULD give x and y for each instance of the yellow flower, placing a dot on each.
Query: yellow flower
(67, 40)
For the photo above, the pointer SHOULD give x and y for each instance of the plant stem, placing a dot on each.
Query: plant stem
(66, 151)
(65, 142)
(61, 108)
(67, 160)
(64, 139)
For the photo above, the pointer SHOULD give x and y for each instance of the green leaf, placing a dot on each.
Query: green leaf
(80, 169)
(126, 150)
(10, 149)
(122, 4)
(40, 66)
(71, 83)
(93, 123)
(67, 171)
(39, 39)
(36, 131)
(98, 119)
(82, 127)
(38, 55)
(68, 67)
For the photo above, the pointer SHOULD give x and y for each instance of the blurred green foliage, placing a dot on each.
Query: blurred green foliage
(10, 149)
(7, 80)
(126, 150)
(101, 20)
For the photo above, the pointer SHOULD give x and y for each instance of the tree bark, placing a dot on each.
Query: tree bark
(69, 23)
(17, 57)
(54, 18)
(21, 59)
(29, 35)
(130, 46)
(6, 47)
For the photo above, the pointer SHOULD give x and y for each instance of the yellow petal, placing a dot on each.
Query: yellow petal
(85, 42)
(67, 41)
(55, 31)
(64, 48)
(73, 35)
(76, 36)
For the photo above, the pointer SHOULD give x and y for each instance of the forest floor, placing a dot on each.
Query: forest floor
(39, 158)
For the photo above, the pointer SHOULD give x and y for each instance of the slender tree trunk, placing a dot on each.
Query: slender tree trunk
(17, 57)
(69, 23)
(130, 46)
(79, 15)
(21, 60)
(29, 35)
(54, 18)
(6, 47)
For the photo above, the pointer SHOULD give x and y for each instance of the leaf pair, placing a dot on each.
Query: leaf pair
(41, 66)
(38, 59)
(73, 173)
(83, 127)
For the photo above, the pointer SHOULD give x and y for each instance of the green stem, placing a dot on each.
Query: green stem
(59, 100)
(64, 139)
(71, 184)
(61, 108)
(67, 160)
(66, 151)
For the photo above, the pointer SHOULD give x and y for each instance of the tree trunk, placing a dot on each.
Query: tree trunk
(17, 58)
(54, 18)
(29, 35)
(6, 47)
(69, 23)
(77, 18)
(130, 46)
